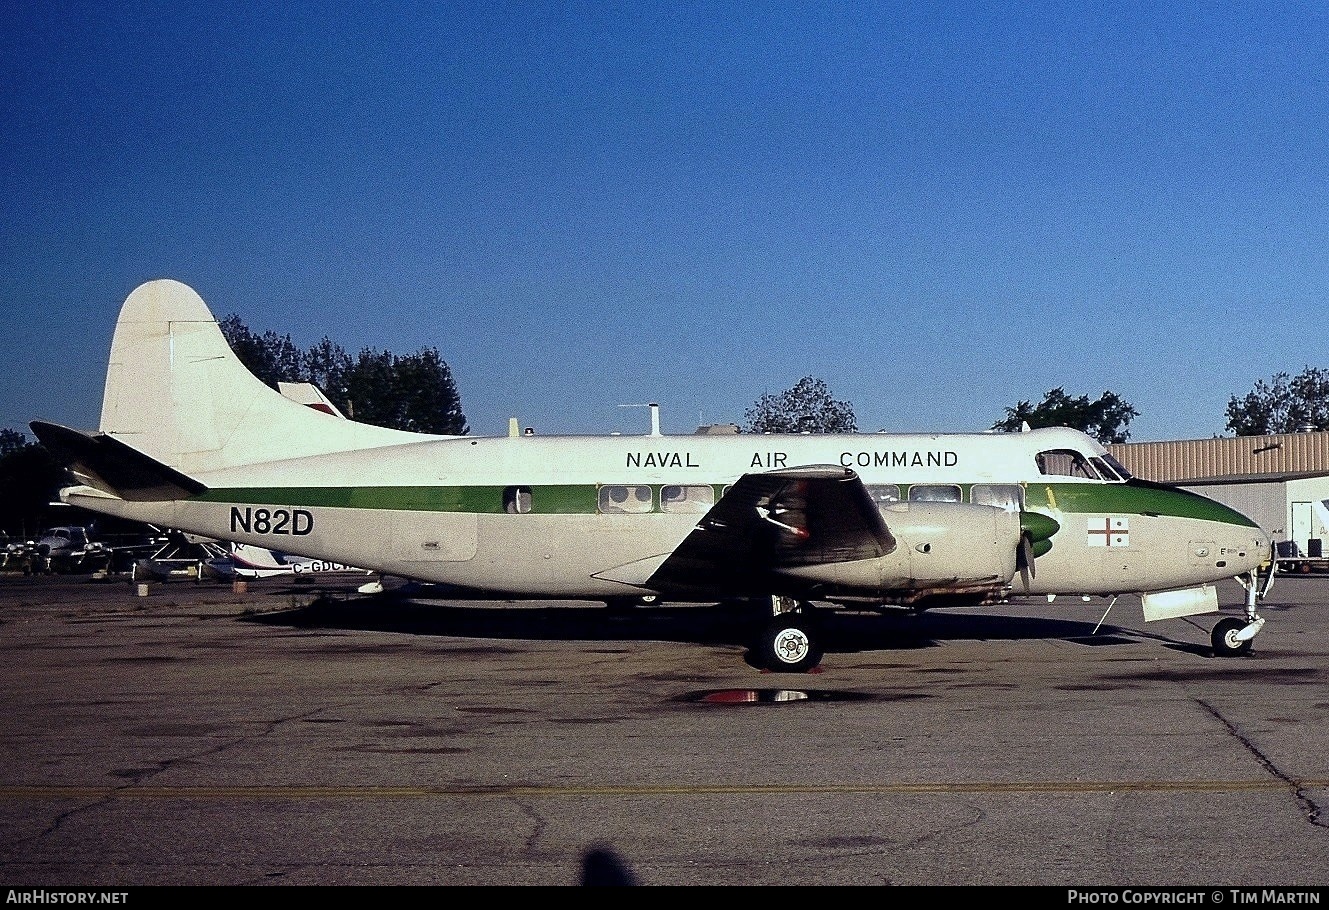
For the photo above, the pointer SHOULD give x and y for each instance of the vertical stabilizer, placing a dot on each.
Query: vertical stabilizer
(176, 391)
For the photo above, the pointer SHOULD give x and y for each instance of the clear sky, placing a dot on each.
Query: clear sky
(939, 209)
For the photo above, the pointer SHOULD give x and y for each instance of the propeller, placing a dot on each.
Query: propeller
(1024, 558)
(1036, 530)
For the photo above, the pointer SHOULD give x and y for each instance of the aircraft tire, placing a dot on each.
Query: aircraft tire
(790, 644)
(627, 604)
(1224, 638)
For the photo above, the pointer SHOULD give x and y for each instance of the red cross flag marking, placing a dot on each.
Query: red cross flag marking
(1111, 531)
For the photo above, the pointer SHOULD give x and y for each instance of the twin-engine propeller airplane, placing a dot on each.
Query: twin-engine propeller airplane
(190, 439)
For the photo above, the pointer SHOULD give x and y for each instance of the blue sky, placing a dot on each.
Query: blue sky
(940, 209)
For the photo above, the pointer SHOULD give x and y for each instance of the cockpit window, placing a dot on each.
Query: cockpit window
(1118, 467)
(1105, 470)
(1065, 463)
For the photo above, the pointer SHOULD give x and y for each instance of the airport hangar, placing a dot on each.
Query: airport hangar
(1281, 481)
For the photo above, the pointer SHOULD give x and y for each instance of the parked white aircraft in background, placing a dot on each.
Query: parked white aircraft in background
(190, 439)
(248, 561)
(67, 548)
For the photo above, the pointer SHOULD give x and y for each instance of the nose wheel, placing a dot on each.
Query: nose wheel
(1233, 637)
(1226, 638)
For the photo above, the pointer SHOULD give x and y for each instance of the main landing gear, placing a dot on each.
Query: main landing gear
(1233, 637)
(790, 642)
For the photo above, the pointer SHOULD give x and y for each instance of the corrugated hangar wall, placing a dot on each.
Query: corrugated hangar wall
(1240, 457)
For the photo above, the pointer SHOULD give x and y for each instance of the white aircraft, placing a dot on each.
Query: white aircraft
(248, 561)
(67, 548)
(190, 439)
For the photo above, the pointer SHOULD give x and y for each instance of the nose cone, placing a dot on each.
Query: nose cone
(1223, 540)
(1252, 552)
(1243, 544)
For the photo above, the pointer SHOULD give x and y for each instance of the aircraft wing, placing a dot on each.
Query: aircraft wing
(107, 464)
(777, 520)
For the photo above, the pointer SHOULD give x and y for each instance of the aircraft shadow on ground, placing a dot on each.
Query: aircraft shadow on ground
(721, 624)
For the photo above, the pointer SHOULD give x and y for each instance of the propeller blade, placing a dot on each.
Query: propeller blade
(1025, 560)
(1036, 531)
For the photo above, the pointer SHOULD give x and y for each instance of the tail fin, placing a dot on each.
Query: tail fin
(176, 391)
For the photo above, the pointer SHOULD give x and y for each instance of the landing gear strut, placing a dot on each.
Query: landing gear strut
(1233, 637)
(790, 643)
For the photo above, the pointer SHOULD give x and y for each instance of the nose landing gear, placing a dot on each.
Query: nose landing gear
(1233, 637)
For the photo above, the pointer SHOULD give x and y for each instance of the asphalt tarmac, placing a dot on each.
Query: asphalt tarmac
(199, 736)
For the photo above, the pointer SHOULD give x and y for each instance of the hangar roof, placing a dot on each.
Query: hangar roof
(1231, 459)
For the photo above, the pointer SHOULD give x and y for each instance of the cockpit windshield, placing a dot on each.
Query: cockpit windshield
(1065, 463)
(1104, 469)
(1118, 467)
(1071, 463)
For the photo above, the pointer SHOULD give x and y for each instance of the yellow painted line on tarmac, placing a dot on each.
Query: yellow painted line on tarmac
(299, 792)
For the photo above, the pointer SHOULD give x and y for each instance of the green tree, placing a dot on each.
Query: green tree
(807, 407)
(1105, 419)
(326, 365)
(1285, 404)
(415, 392)
(11, 441)
(426, 395)
(30, 478)
(271, 357)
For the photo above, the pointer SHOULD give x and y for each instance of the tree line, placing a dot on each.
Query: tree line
(1284, 404)
(413, 392)
(417, 392)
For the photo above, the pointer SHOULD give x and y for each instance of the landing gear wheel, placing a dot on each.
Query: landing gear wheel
(790, 644)
(1224, 638)
(620, 605)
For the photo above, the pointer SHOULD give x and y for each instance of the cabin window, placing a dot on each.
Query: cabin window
(882, 493)
(1008, 496)
(934, 492)
(517, 500)
(695, 498)
(626, 498)
(1065, 463)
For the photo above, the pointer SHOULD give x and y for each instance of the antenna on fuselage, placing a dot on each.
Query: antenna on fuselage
(655, 415)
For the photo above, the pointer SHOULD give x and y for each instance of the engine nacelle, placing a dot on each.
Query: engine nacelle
(941, 548)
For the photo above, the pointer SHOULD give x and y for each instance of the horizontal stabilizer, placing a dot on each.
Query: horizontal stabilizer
(107, 464)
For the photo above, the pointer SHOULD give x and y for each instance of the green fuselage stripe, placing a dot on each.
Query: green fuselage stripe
(581, 499)
(554, 499)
